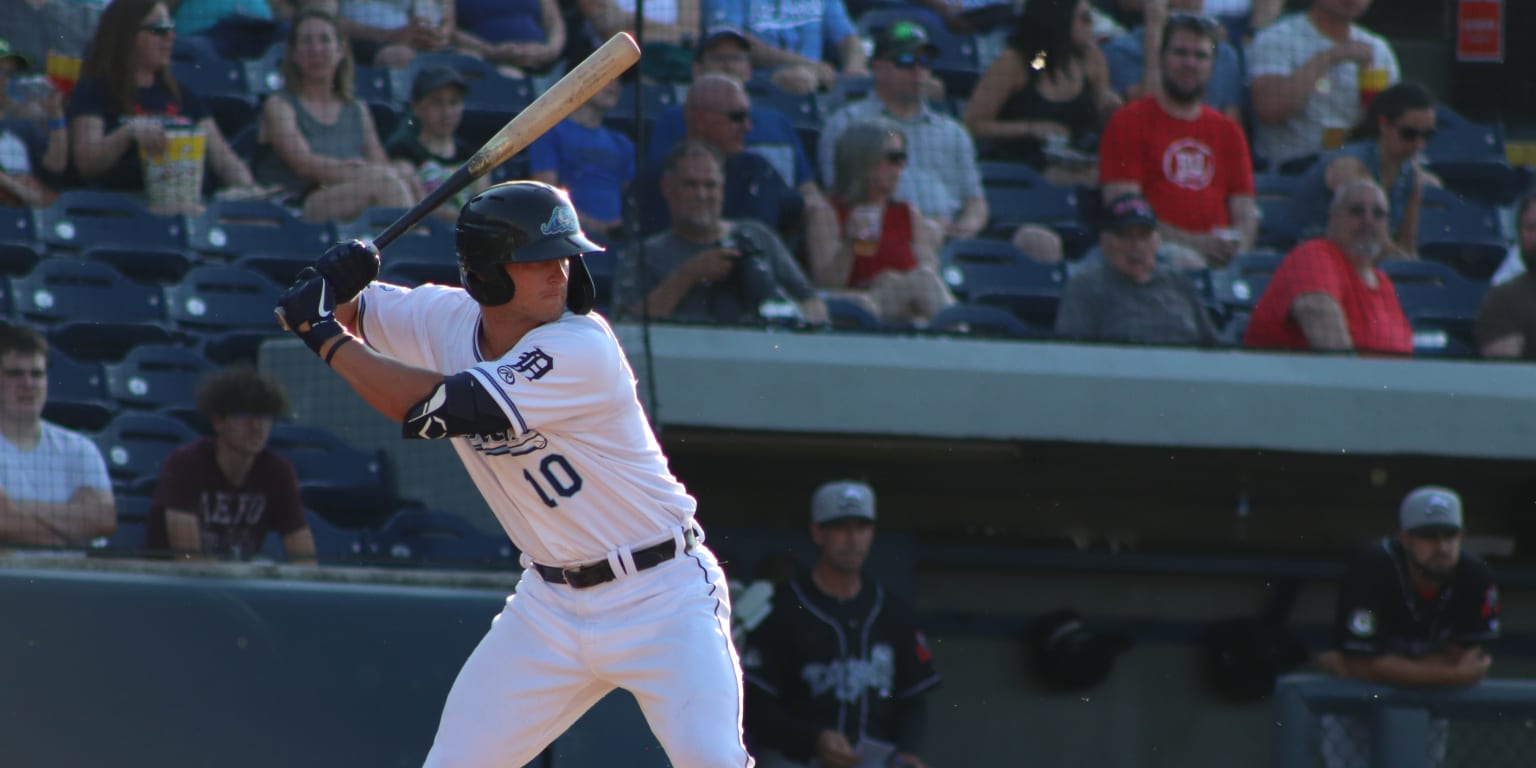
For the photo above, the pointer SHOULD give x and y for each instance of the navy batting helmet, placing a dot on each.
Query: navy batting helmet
(519, 221)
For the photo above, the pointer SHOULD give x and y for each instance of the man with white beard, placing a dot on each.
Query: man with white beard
(1328, 294)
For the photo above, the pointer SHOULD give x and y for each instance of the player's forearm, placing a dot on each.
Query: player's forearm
(1431, 671)
(390, 386)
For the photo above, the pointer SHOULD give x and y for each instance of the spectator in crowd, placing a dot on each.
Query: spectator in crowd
(1306, 73)
(1045, 97)
(126, 99)
(1190, 161)
(707, 268)
(526, 34)
(1384, 147)
(1240, 18)
(1413, 610)
(791, 38)
(941, 177)
(54, 489)
(317, 141)
(39, 102)
(389, 33)
(719, 112)
(1506, 322)
(888, 253)
(1135, 60)
(974, 17)
(220, 495)
(674, 22)
(1132, 296)
(770, 133)
(594, 163)
(65, 27)
(839, 659)
(1328, 294)
(1525, 241)
(428, 141)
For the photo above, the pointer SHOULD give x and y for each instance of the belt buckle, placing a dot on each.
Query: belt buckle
(572, 575)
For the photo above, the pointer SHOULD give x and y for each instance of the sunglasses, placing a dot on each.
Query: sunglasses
(1415, 134)
(1359, 211)
(738, 116)
(896, 156)
(910, 60)
(158, 29)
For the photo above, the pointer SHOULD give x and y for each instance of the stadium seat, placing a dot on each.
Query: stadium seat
(994, 273)
(77, 394)
(233, 112)
(1279, 225)
(20, 249)
(654, 99)
(1046, 204)
(135, 444)
(848, 315)
(495, 92)
(1445, 216)
(409, 272)
(604, 267)
(89, 309)
(280, 268)
(386, 119)
(983, 320)
(958, 63)
(230, 228)
(230, 307)
(1438, 300)
(349, 487)
(132, 518)
(209, 76)
(428, 537)
(156, 375)
(144, 265)
(84, 217)
(432, 239)
(801, 109)
(1459, 139)
(372, 84)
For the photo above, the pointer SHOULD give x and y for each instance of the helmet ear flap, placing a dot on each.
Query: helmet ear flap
(581, 292)
(490, 286)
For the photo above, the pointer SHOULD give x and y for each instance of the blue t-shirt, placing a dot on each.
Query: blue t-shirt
(594, 164)
(772, 138)
(1313, 198)
(805, 27)
(1127, 57)
(753, 190)
(90, 97)
(502, 21)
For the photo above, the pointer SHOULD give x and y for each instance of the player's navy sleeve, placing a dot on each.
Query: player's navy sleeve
(1477, 612)
(460, 405)
(1360, 613)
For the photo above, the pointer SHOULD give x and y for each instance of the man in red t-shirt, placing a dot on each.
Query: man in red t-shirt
(1328, 294)
(1188, 160)
(220, 495)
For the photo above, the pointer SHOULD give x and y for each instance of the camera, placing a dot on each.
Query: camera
(751, 278)
(22, 90)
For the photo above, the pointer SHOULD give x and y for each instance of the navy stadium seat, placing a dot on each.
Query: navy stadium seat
(156, 375)
(431, 239)
(77, 394)
(983, 320)
(83, 217)
(994, 273)
(230, 228)
(210, 76)
(803, 110)
(132, 518)
(409, 272)
(371, 84)
(429, 537)
(20, 249)
(1238, 288)
(1017, 195)
(1440, 302)
(654, 99)
(144, 265)
(1279, 225)
(333, 545)
(228, 306)
(1460, 232)
(88, 308)
(848, 315)
(349, 487)
(280, 268)
(135, 444)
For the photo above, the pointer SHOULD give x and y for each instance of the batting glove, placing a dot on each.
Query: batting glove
(308, 309)
(349, 267)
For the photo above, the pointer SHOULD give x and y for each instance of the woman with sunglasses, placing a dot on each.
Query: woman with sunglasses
(888, 255)
(126, 98)
(317, 140)
(1385, 147)
(1048, 90)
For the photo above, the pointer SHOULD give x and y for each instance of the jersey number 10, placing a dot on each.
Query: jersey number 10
(559, 475)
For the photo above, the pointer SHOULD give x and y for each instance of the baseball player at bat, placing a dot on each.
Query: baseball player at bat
(531, 388)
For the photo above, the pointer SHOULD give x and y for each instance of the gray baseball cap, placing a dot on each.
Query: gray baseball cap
(1430, 508)
(842, 500)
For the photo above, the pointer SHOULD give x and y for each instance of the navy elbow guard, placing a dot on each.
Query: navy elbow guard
(458, 406)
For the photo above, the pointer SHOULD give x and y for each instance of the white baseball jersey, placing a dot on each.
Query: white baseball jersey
(579, 474)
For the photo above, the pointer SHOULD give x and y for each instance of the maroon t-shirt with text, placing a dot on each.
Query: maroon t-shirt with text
(230, 518)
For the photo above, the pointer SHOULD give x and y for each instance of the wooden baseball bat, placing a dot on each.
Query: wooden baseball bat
(564, 97)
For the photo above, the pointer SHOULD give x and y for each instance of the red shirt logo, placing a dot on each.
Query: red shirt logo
(1190, 164)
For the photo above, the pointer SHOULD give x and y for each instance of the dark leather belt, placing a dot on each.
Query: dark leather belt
(601, 572)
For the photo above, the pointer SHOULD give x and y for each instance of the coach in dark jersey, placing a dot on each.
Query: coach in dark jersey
(1413, 610)
(838, 670)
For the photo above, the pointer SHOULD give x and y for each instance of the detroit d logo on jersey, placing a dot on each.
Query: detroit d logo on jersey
(533, 365)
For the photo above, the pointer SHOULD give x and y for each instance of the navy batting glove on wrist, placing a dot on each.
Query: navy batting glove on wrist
(349, 267)
(308, 309)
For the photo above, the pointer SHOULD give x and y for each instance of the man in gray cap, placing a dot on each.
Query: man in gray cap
(835, 674)
(1413, 610)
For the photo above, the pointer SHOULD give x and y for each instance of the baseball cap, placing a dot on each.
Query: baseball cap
(433, 78)
(714, 35)
(1129, 210)
(1430, 508)
(7, 52)
(903, 38)
(842, 500)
